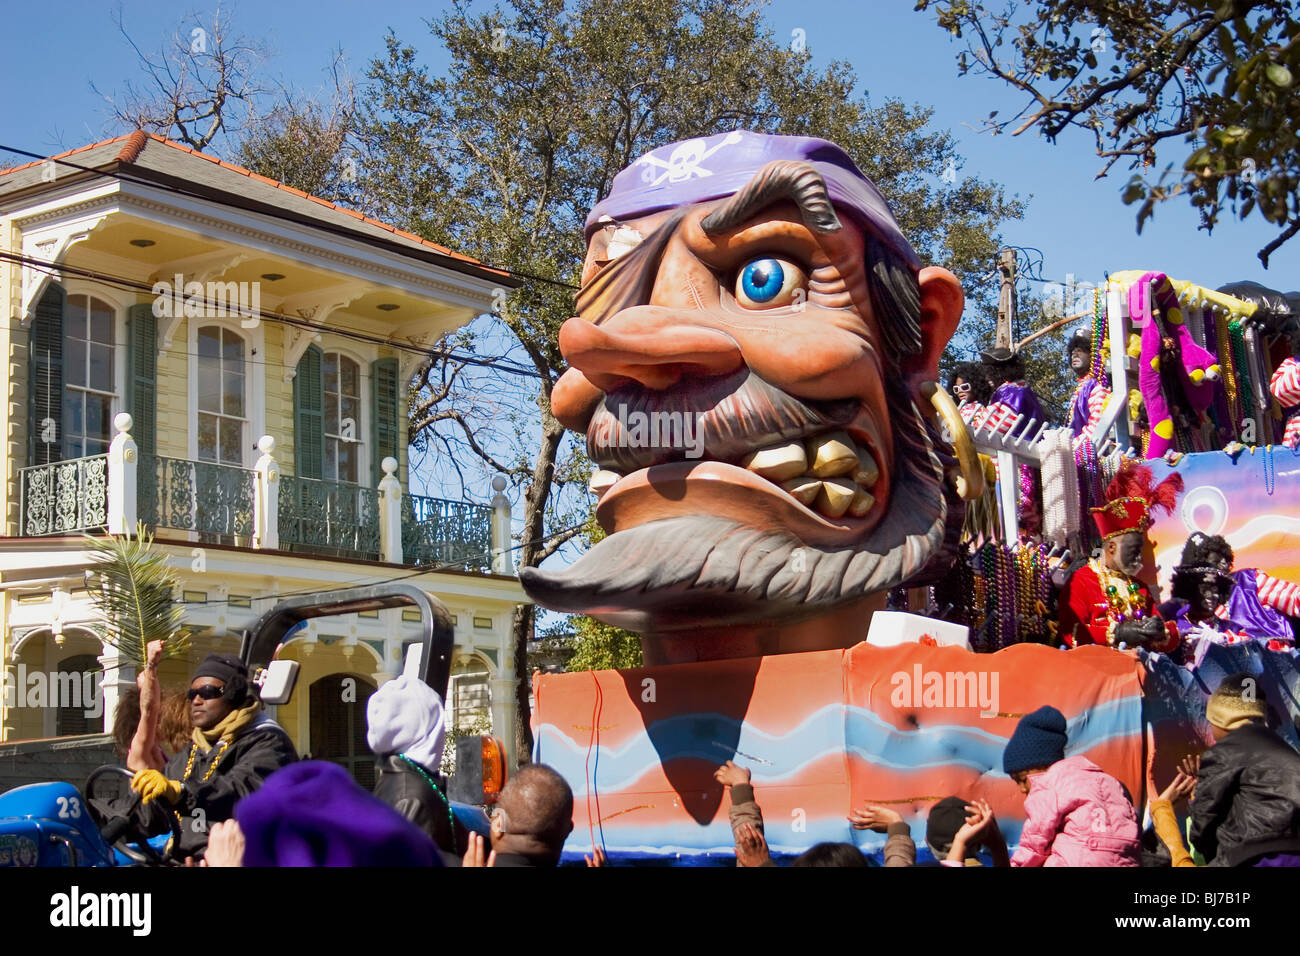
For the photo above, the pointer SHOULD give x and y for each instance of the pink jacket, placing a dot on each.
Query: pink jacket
(1076, 814)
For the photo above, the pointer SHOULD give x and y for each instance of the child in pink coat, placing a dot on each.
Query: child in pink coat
(1076, 814)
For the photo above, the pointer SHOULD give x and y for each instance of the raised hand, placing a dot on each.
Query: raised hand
(874, 817)
(751, 847)
(731, 773)
(597, 857)
(474, 856)
(225, 845)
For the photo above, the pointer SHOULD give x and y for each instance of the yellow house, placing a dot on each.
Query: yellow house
(227, 359)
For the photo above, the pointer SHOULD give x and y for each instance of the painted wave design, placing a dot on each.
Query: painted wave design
(829, 731)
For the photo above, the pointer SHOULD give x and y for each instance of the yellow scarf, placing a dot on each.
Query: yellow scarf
(230, 726)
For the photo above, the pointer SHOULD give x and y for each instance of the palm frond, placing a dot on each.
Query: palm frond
(133, 594)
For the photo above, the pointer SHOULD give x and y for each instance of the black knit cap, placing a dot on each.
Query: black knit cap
(946, 818)
(229, 669)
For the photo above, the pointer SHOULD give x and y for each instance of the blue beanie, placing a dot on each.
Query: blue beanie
(312, 813)
(1039, 741)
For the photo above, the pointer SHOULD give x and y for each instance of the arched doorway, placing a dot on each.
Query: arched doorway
(338, 725)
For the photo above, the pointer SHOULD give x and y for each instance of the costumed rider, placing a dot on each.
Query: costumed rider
(1285, 386)
(971, 389)
(1091, 393)
(235, 747)
(1200, 593)
(1012, 397)
(1103, 602)
(1258, 604)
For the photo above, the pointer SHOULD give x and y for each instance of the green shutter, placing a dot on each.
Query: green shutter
(142, 376)
(309, 416)
(45, 379)
(384, 409)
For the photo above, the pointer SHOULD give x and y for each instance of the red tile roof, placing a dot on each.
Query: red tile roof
(134, 144)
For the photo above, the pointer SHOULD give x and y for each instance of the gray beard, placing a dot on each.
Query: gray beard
(700, 571)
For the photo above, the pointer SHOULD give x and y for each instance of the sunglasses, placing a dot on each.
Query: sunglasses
(207, 692)
(962, 389)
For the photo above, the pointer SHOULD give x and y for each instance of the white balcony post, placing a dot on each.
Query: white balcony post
(266, 497)
(502, 555)
(121, 478)
(390, 513)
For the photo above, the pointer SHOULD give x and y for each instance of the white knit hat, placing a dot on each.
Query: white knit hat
(405, 716)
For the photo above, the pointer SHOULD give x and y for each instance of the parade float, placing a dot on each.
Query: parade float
(754, 363)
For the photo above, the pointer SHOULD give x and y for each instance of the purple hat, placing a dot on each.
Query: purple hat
(698, 170)
(312, 813)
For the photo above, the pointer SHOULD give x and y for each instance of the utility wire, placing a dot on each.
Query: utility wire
(54, 269)
(415, 572)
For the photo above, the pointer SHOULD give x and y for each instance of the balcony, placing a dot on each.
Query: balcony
(259, 508)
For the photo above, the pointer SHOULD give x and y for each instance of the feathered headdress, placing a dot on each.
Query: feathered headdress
(1130, 497)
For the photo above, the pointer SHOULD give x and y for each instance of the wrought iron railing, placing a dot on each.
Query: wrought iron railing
(65, 496)
(213, 500)
(446, 534)
(329, 517)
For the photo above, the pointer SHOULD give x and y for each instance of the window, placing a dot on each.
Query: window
(88, 376)
(221, 396)
(471, 696)
(342, 393)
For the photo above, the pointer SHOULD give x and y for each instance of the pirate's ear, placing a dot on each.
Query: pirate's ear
(941, 305)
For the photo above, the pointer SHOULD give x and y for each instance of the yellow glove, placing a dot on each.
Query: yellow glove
(152, 785)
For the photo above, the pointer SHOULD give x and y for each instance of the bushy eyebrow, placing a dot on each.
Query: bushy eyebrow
(779, 179)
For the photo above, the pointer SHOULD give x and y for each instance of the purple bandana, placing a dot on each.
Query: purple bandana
(698, 170)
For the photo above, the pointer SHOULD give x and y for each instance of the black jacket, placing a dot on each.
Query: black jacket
(1247, 799)
(262, 748)
(401, 787)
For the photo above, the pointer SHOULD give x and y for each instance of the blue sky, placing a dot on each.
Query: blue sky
(51, 52)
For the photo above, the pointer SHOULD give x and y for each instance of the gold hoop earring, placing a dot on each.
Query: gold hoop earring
(970, 484)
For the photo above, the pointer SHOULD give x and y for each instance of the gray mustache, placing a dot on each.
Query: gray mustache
(729, 417)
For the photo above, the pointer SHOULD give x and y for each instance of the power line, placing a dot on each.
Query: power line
(194, 194)
(415, 572)
(54, 269)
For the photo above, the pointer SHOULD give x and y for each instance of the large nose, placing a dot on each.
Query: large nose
(650, 345)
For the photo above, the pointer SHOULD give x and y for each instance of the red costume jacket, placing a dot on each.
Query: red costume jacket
(1084, 609)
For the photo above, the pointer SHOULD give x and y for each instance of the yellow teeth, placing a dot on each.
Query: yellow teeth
(862, 502)
(835, 497)
(778, 462)
(602, 480)
(867, 472)
(803, 489)
(832, 455)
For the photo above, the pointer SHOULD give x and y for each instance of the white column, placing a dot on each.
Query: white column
(266, 497)
(121, 478)
(502, 555)
(390, 513)
(503, 715)
(115, 674)
(1116, 313)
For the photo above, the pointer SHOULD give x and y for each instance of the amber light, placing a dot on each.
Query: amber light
(494, 768)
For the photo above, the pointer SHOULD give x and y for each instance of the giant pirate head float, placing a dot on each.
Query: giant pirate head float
(753, 362)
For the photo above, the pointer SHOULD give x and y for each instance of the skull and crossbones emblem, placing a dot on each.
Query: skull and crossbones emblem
(684, 161)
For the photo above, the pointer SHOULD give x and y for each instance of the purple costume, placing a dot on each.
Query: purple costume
(1255, 619)
(1021, 400)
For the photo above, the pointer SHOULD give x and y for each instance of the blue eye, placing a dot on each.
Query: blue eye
(762, 279)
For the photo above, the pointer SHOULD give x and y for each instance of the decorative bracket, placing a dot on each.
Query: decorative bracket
(50, 245)
(201, 269)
